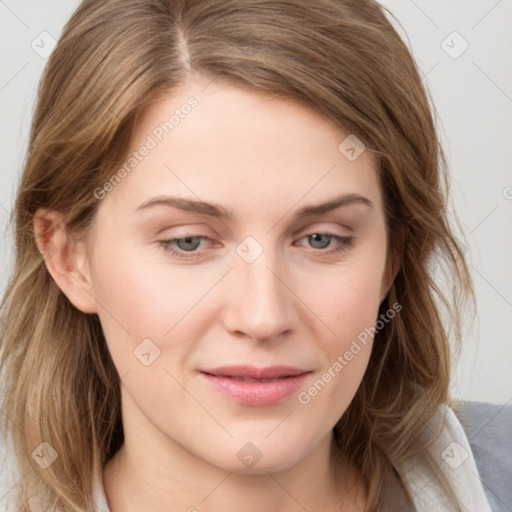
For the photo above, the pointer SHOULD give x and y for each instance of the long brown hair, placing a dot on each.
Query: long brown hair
(344, 59)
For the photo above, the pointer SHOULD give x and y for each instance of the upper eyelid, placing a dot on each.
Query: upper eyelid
(303, 230)
(302, 233)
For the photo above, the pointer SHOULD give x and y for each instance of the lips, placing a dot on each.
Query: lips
(249, 385)
(246, 372)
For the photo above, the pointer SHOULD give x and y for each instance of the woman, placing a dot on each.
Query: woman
(238, 205)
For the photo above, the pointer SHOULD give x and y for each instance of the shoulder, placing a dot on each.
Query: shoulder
(488, 428)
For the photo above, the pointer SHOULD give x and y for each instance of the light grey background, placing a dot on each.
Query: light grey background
(472, 92)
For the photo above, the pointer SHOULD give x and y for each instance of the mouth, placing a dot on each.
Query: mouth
(248, 379)
(249, 385)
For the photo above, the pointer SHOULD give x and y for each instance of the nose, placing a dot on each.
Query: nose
(260, 303)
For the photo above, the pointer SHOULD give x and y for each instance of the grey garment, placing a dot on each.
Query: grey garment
(488, 428)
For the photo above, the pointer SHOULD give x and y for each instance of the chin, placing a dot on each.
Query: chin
(259, 456)
(269, 464)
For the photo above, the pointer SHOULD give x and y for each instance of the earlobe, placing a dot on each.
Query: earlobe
(65, 259)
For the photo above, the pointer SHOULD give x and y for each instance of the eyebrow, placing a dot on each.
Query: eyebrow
(218, 211)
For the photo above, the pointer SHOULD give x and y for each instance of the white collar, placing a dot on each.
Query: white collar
(453, 455)
(100, 500)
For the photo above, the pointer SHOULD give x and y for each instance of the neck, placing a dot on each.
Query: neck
(156, 473)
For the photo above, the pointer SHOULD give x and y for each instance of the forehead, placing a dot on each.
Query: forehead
(251, 152)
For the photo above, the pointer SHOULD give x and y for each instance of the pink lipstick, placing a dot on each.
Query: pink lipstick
(249, 385)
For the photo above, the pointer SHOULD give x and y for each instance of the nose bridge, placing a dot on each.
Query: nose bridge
(260, 304)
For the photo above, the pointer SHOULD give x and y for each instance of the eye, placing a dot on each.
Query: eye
(179, 247)
(186, 247)
(322, 241)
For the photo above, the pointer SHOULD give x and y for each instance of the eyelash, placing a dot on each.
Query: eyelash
(345, 243)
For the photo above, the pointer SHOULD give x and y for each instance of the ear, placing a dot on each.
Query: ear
(65, 258)
(393, 264)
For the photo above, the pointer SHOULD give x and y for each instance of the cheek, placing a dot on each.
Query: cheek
(350, 311)
(347, 294)
(142, 298)
(154, 322)
(348, 304)
(348, 300)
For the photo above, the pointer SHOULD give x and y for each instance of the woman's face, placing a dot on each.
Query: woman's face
(266, 284)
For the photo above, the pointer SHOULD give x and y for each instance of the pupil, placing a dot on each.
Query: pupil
(317, 237)
(188, 240)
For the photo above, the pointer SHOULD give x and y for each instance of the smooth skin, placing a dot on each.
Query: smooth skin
(299, 303)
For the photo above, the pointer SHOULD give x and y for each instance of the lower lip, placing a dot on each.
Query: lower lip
(256, 393)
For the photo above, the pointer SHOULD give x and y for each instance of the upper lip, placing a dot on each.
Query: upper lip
(252, 372)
